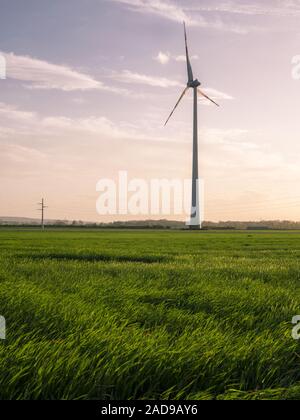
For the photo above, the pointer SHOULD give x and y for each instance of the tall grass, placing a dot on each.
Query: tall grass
(123, 315)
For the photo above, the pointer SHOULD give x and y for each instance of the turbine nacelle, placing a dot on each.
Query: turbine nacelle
(193, 84)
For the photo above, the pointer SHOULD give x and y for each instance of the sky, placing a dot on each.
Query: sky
(90, 84)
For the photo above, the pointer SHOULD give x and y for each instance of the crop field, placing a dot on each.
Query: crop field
(149, 314)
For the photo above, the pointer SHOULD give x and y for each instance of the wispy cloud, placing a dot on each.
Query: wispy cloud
(182, 58)
(216, 94)
(214, 14)
(19, 154)
(243, 150)
(165, 57)
(126, 76)
(129, 77)
(39, 74)
(19, 123)
(10, 113)
(178, 13)
(161, 8)
(282, 8)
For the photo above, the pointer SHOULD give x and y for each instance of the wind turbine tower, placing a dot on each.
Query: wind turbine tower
(195, 221)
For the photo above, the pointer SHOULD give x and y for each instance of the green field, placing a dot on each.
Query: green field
(122, 315)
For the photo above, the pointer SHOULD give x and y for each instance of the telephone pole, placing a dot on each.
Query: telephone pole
(42, 209)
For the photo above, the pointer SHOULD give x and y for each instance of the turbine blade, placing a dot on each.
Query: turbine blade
(207, 97)
(188, 63)
(178, 102)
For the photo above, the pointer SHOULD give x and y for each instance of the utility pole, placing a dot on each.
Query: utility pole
(42, 209)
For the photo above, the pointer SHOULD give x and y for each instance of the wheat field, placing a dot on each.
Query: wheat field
(149, 314)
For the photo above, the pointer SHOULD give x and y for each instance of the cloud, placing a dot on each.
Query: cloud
(182, 12)
(16, 123)
(44, 75)
(126, 76)
(181, 58)
(89, 125)
(165, 57)
(19, 154)
(161, 8)
(162, 58)
(276, 8)
(216, 94)
(17, 159)
(30, 127)
(214, 14)
(178, 13)
(244, 152)
(11, 112)
(129, 77)
(5, 132)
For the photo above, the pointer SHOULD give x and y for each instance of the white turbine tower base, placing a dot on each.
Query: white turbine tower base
(195, 219)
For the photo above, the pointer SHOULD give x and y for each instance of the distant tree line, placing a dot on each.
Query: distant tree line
(162, 224)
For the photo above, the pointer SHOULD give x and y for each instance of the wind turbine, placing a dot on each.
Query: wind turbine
(194, 84)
